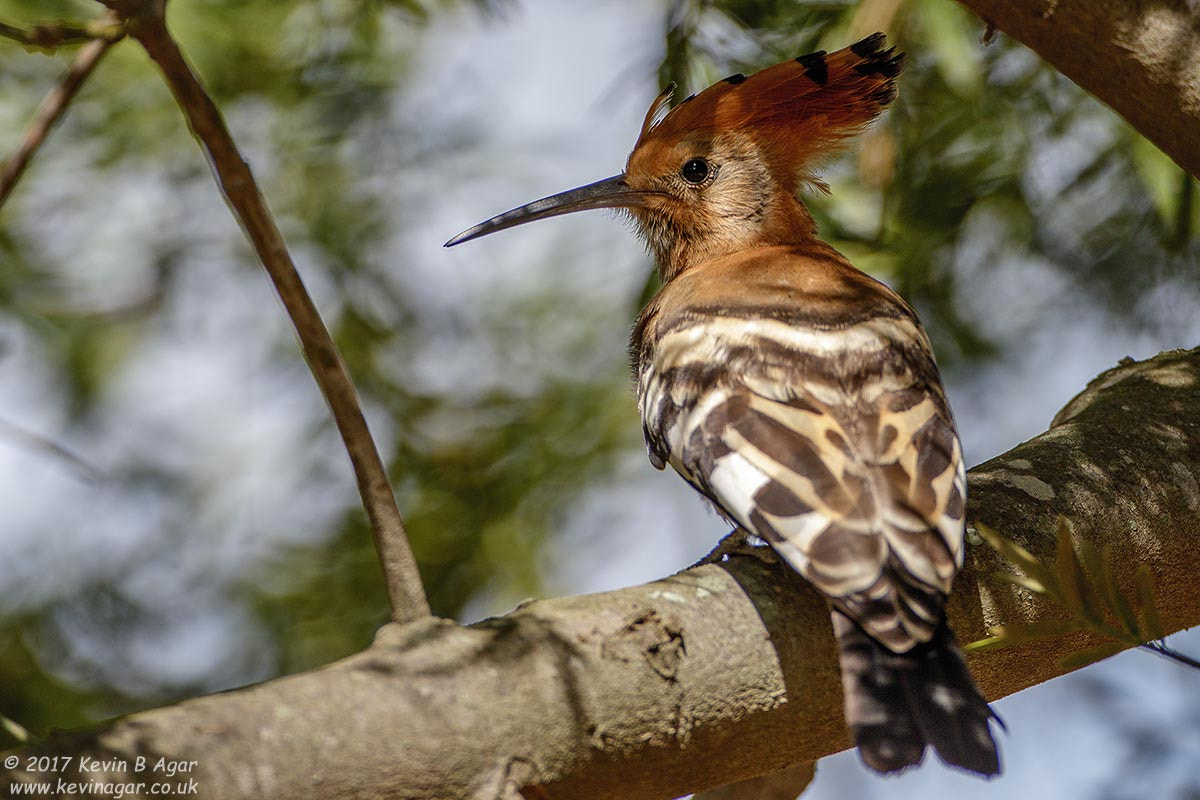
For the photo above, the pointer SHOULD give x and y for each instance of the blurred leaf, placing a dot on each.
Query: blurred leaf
(1022, 632)
(1116, 597)
(15, 729)
(1066, 567)
(948, 36)
(1152, 627)
(1023, 581)
(1078, 589)
(1089, 595)
(1027, 562)
(1091, 655)
(1159, 175)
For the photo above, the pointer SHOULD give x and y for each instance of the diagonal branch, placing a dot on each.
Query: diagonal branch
(52, 35)
(1160, 648)
(716, 675)
(23, 437)
(52, 109)
(405, 592)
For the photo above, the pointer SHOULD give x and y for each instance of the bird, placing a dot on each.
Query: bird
(796, 393)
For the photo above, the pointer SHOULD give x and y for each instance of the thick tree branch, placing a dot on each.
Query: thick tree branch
(55, 105)
(406, 595)
(718, 674)
(1141, 57)
(787, 784)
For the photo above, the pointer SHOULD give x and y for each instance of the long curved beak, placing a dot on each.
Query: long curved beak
(611, 192)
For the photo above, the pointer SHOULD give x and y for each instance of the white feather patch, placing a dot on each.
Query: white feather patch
(735, 481)
(697, 343)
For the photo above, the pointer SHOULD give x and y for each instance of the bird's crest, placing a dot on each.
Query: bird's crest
(658, 110)
(800, 111)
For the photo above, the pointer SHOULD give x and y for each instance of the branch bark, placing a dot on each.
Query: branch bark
(1141, 57)
(56, 103)
(52, 35)
(715, 675)
(146, 23)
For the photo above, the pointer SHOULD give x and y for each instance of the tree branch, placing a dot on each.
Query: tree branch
(718, 674)
(147, 24)
(1161, 649)
(54, 106)
(787, 784)
(52, 35)
(1141, 57)
(20, 436)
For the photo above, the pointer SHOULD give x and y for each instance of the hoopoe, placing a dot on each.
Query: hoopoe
(795, 392)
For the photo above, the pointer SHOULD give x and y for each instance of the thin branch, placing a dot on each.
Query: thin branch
(51, 111)
(22, 436)
(405, 592)
(52, 35)
(1171, 654)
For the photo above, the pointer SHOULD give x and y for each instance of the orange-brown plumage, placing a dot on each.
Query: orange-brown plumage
(774, 128)
(799, 112)
(795, 392)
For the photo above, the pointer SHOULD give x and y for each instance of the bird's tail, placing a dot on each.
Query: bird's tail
(899, 703)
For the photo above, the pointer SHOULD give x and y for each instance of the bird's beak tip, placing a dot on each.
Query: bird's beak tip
(466, 236)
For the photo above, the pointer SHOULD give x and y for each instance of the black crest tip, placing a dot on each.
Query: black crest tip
(815, 67)
(865, 48)
(884, 96)
(884, 63)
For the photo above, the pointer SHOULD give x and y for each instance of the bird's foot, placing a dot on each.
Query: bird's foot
(739, 542)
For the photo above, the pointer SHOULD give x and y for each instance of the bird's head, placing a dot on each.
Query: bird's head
(720, 171)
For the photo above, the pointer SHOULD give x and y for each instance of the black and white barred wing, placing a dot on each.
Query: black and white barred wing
(834, 446)
(837, 448)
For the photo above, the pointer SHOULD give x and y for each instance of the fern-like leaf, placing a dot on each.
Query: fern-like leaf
(1083, 582)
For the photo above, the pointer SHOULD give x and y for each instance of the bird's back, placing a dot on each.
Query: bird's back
(801, 396)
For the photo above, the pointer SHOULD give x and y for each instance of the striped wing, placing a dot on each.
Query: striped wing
(836, 446)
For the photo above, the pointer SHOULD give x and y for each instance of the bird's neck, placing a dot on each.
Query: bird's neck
(778, 220)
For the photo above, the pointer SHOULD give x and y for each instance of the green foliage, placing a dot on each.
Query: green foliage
(32, 697)
(1083, 583)
(15, 730)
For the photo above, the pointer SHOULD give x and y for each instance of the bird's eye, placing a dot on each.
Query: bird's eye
(695, 171)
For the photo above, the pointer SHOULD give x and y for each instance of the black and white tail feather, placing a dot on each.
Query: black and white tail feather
(899, 703)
